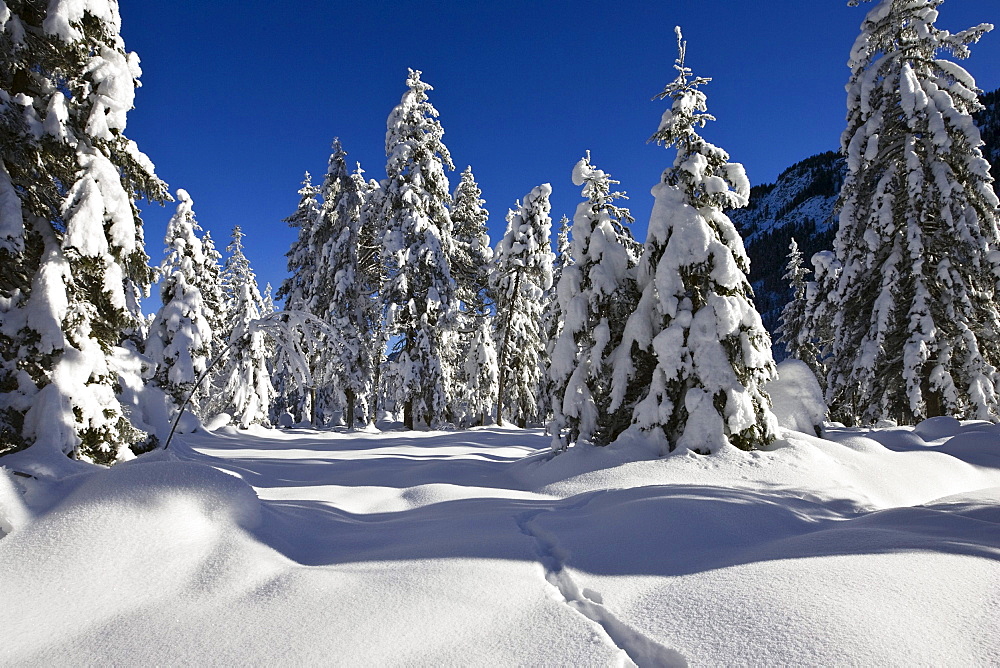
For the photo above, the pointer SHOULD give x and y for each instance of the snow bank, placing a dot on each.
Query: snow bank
(796, 398)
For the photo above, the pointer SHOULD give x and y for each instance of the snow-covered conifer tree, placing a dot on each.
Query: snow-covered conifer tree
(267, 301)
(522, 274)
(297, 290)
(552, 315)
(245, 389)
(476, 356)
(915, 318)
(696, 321)
(346, 295)
(370, 260)
(208, 278)
(596, 294)
(418, 293)
(180, 337)
(71, 242)
(795, 335)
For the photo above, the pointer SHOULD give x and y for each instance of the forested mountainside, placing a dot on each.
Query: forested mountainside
(801, 204)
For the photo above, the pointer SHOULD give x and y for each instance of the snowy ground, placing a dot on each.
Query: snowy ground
(309, 548)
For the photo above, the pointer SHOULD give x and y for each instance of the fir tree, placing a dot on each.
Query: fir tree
(346, 295)
(71, 244)
(553, 317)
(245, 385)
(522, 274)
(596, 292)
(418, 293)
(696, 320)
(798, 340)
(208, 278)
(914, 315)
(299, 291)
(476, 357)
(180, 337)
(267, 301)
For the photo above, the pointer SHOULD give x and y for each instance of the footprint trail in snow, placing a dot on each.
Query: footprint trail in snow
(640, 650)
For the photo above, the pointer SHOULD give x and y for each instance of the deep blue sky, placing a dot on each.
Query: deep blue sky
(240, 97)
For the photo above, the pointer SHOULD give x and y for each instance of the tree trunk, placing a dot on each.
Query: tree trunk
(373, 403)
(408, 414)
(312, 407)
(932, 399)
(349, 409)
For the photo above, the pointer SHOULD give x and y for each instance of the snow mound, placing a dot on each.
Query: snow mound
(139, 533)
(796, 398)
(13, 511)
(936, 428)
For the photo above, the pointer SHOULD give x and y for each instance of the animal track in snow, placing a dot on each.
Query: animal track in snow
(641, 650)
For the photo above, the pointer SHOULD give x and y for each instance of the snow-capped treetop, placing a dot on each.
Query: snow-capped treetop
(184, 250)
(708, 177)
(472, 253)
(413, 135)
(416, 192)
(896, 50)
(908, 28)
(563, 255)
(298, 289)
(525, 243)
(267, 300)
(600, 206)
(238, 275)
(63, 17)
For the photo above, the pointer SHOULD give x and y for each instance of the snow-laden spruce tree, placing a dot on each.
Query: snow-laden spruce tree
(552, 316)
(696, 321)
(71, 244)
(472, 256)
(208, 278)
(794, 331)
(522, 274)
(915, 319)
(243, 383)
(596, 294)
(267, 300)
(346, 298)
(418, 293)
(180, 338)
(298, 292)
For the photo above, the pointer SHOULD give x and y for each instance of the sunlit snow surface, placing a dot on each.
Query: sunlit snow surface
(478, 548)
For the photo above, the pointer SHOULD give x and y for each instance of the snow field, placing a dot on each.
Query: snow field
(297, 547)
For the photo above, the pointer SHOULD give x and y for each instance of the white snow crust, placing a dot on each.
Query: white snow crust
(298, 547)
